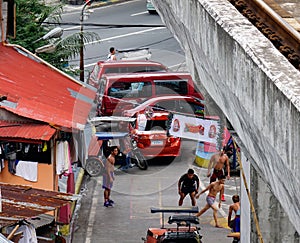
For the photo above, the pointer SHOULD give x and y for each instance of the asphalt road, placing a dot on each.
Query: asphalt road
(161, 43)
(135, 192)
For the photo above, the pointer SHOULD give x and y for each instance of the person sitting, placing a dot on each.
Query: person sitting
(125, 154)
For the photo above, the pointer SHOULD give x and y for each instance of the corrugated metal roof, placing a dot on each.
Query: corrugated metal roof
(40, 92)
(21, 130)
(21, 202)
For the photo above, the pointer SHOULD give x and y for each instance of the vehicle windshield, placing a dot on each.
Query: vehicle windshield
(155, 125)
(180, 106)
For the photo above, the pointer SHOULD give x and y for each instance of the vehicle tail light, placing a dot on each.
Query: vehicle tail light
(140, 145)
(173, 141)
(144, 142)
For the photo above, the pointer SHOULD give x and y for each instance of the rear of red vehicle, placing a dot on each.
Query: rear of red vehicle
(151, 136)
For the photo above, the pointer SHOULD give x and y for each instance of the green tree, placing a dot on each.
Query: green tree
(30, 26)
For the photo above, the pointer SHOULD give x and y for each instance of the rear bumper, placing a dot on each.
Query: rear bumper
(159, 152)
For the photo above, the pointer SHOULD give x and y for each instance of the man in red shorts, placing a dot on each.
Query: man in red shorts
(218, 161)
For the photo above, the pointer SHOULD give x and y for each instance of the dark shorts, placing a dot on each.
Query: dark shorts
(217, 174)
(235, 224)
(187, 190)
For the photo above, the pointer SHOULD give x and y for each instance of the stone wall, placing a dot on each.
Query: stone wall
(256, 88)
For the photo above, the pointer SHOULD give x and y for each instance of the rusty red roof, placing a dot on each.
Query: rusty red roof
(23, 130)
(22, 202)
(40, 92)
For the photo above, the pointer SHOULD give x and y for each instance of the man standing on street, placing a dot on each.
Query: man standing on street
(112, 54)
(218, 161)
(213, 188)
(108, 176)
(188, 184)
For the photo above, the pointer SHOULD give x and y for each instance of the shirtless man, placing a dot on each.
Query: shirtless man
(236, 208)
(108, 176)
(213, 188)
(218, 161)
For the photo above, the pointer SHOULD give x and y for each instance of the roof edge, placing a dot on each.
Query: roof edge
(44, 62)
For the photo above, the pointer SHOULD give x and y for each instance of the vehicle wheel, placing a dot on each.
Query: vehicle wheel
(94, 167)
(139, 159)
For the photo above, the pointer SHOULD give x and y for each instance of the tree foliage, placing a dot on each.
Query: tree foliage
(30, 18)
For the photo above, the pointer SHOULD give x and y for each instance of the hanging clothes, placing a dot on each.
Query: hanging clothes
(27, 170)
(63, 162)
(28, 230)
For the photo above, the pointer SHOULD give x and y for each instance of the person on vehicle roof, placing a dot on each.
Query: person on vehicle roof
(188, 184)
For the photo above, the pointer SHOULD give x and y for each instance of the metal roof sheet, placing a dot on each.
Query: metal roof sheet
(40, 92)
(21, 130)
(21, 202)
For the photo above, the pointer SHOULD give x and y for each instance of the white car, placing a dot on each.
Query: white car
(151, 9)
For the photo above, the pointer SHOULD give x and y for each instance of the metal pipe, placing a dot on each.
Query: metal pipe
(280, 21)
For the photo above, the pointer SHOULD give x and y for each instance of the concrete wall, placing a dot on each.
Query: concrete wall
(256, 88)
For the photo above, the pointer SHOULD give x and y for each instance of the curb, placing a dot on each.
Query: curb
(79, 181)
(105, 3)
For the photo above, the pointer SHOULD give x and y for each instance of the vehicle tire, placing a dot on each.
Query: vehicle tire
(94, 167)
(139, 159)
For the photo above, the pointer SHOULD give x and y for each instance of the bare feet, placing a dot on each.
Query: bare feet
(218, 226)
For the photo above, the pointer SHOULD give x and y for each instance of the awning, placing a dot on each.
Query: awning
(24, 202)
(41, 92)
(32, 131)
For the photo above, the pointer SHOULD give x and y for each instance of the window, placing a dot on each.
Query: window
(134, 69)
(171, 86)
(156, 125)
(130, 90)
(181, 106)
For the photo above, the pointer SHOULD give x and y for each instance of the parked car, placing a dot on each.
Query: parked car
(150, 7)
(150, 126)
(119, 92)
(104, 67)
(152, 138)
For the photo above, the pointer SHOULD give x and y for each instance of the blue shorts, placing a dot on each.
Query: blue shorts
(107, 184)
(210, 200)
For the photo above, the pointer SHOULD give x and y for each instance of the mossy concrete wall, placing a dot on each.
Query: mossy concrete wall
(258, 91)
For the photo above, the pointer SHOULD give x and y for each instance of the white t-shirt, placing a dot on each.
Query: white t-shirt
(111, 57)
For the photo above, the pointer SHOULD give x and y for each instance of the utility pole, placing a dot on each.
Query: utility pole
(81, 64)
